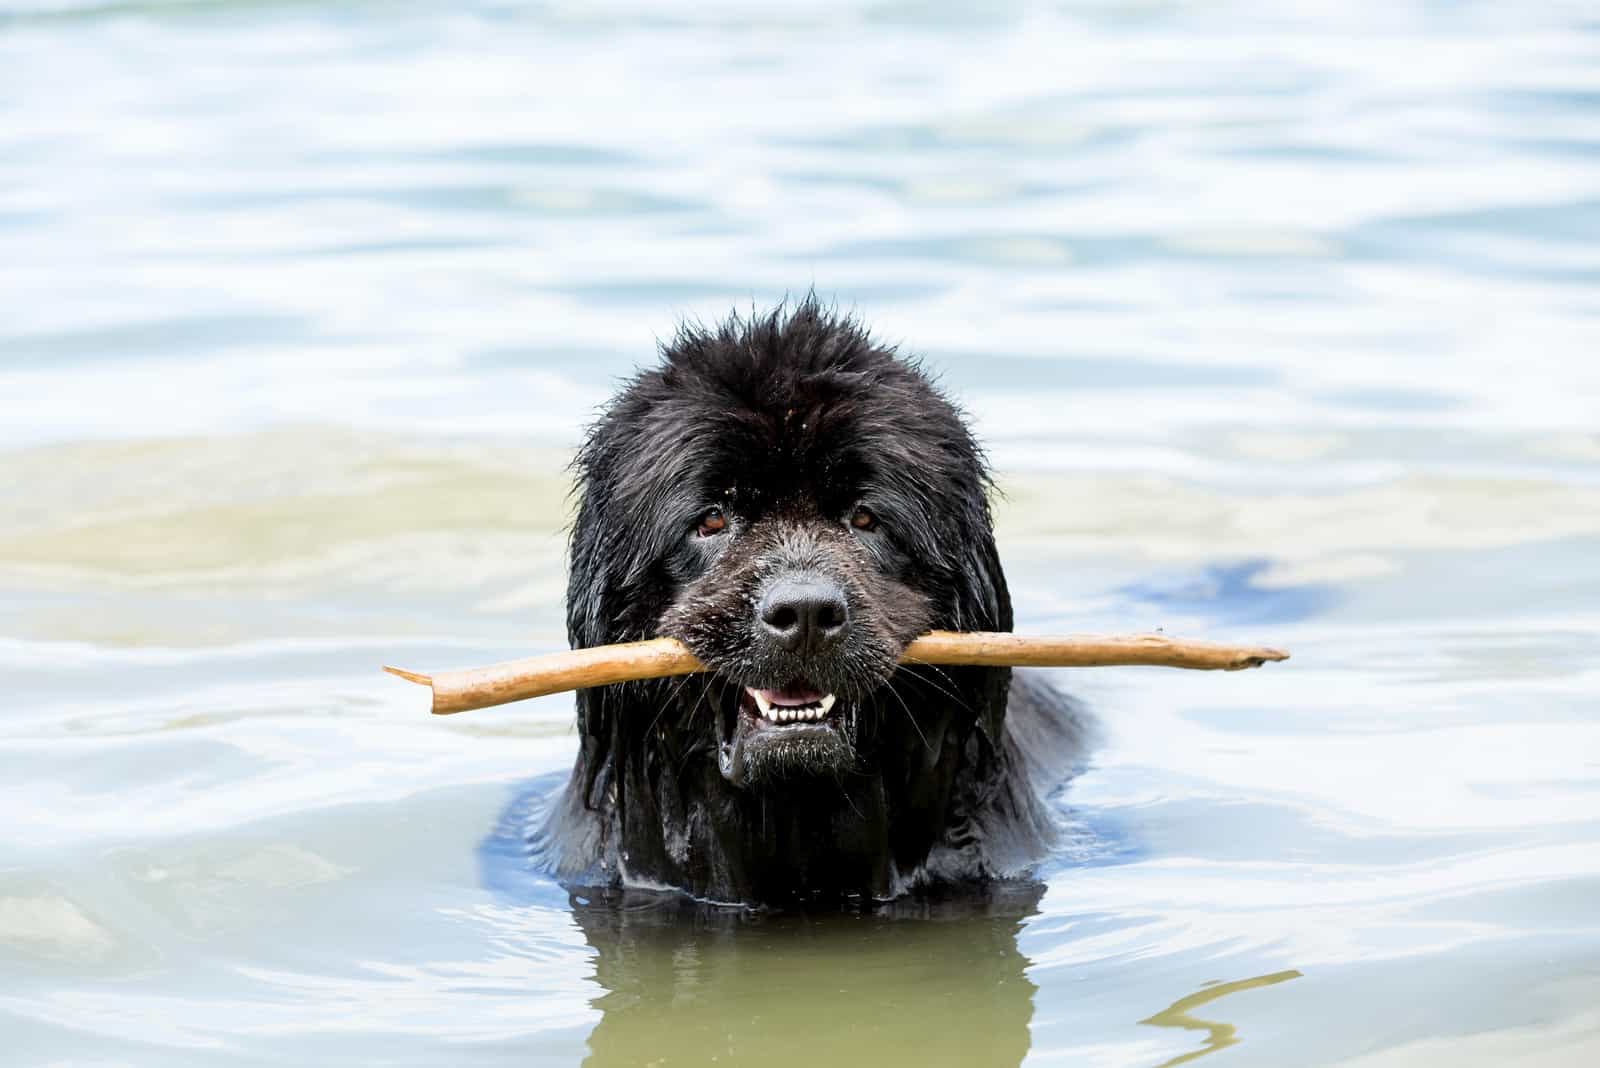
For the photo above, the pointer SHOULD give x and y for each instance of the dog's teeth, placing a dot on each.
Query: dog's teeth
(806, 713)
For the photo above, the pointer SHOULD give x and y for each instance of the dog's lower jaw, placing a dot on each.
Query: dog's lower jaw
(757, 745)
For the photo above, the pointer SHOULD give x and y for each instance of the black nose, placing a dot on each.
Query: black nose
(804, 614)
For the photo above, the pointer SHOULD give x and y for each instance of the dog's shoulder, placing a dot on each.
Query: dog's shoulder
(1003, 822)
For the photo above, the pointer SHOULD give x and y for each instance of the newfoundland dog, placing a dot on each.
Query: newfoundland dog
(796, 503)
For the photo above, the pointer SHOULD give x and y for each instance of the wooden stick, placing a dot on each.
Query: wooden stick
(576, 669)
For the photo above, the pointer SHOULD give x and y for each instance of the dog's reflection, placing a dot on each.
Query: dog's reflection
(918, 982)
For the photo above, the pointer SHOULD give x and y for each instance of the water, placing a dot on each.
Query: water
(1280, 322)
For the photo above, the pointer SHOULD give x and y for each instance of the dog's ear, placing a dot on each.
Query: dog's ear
(985, 599)
(588, 579)
(986, 605)
(587, 571)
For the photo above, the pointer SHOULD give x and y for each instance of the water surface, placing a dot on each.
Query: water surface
(1279, 322)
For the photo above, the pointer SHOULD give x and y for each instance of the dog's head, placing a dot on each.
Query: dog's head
(796, 503)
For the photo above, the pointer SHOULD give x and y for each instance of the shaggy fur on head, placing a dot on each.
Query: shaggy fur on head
(796, 503)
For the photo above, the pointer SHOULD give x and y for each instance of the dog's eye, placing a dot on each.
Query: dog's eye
(862, 519)
(712, 522)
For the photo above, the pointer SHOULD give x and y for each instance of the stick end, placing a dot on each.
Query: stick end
(409, 676)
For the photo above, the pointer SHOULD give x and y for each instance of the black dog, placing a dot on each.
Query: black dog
(796, 504)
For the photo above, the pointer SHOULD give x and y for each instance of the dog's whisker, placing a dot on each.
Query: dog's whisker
(697, 737)
(912, 717)
(671, 699)
(948, 692)
(844, 792)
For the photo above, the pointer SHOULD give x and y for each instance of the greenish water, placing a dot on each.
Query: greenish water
(1280, 323)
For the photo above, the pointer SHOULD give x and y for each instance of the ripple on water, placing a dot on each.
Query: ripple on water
(305, 307)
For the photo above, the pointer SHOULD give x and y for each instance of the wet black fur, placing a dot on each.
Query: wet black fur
(787, 422)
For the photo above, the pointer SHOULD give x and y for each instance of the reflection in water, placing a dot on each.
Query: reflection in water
(1219, 1035)
(919, 982)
